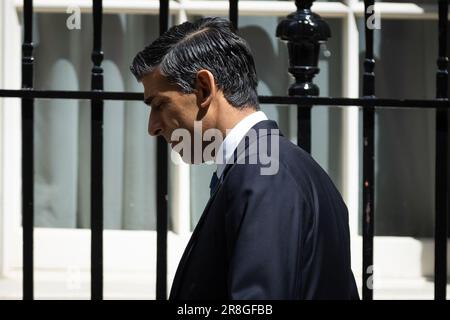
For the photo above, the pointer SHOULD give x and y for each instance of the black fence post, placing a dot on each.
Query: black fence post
(368, 159)
(234, 13)
(442, 174)
(161, 188)
(97, 158)
(304, 31)
(27, 153)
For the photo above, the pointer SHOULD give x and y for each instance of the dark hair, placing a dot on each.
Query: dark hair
(211, 44)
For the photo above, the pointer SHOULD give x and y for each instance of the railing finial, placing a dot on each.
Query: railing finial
(304, 32)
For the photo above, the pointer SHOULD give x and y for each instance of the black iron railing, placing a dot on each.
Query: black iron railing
(442, 174)
(27, 152)
(301, 96)
(368, 160)
(97, 158)
(161, 188)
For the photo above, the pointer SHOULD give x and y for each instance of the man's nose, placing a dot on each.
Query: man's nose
(154, 125)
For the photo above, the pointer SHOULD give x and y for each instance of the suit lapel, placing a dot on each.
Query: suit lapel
(180, 270)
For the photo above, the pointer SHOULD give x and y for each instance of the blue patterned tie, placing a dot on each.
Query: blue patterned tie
(213, 184)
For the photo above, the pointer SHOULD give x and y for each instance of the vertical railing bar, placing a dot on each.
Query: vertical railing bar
(97, 158)
(234, 13)
(368, 160)
(27, 153)
(161, 188)
(304, 127)
(441, 183)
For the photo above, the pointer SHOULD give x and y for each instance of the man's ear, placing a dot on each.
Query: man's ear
(205, 88)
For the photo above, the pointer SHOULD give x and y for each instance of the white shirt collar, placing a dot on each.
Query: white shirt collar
(234, 136)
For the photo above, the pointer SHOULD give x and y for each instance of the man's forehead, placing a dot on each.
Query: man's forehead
(155, 84)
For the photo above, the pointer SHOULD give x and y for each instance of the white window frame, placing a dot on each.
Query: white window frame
(407, 251)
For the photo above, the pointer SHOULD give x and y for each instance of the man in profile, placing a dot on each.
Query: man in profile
(273, 229)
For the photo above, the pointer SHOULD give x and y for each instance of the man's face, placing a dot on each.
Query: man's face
(170, 108)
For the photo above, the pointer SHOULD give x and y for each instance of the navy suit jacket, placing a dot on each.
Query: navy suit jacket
(281, 236)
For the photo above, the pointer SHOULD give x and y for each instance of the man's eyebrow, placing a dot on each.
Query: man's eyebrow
(155, 99)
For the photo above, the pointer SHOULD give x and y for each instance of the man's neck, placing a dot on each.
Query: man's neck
(229, 117)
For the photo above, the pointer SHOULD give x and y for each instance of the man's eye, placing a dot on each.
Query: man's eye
(157, 107)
